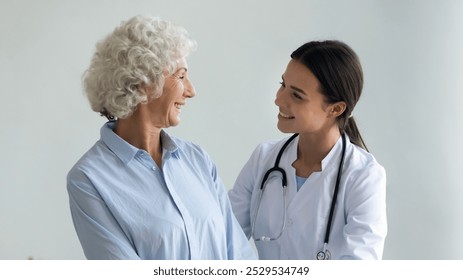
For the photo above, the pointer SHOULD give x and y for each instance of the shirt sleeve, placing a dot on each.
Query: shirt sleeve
(241, 194)
(238, 246)
(99, 233)
(366, 227)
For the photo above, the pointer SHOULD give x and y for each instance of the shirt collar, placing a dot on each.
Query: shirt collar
(169, 146)
(125, 151)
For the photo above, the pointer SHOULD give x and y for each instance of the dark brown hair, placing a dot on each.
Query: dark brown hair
(337, 68)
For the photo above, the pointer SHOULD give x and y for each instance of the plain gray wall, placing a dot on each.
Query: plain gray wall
(410, 112)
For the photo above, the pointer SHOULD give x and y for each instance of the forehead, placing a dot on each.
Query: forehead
(299, 75)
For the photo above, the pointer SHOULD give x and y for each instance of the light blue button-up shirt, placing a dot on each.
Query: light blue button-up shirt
(124, 207)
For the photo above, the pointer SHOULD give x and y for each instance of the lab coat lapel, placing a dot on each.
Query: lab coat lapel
(287, 160)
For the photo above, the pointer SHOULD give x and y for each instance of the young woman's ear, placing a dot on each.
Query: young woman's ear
(338, 108)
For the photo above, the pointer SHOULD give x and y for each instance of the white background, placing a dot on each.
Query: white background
(410, 113)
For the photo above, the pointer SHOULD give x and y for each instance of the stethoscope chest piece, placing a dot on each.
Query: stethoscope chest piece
(326, 255)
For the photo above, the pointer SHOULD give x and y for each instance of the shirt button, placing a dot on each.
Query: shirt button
(153, 168)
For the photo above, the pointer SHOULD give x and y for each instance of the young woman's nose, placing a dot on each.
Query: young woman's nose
(280, 97)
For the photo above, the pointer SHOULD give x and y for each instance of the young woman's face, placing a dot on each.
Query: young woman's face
(177, 88)
(302, 107)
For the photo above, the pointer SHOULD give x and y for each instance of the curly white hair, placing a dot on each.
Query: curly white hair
(141, 51)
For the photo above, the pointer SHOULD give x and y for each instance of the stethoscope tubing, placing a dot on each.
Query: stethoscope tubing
(262, 189)
(324, 254)
(336, 191)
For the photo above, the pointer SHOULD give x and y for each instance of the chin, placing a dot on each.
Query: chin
(284, 129)
(174, 123)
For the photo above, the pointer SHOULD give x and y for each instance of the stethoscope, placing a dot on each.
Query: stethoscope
(324, 254)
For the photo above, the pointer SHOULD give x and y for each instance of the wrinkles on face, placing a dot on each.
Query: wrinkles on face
(176, 90)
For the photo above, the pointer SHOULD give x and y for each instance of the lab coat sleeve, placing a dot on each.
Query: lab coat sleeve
(99, 233)
(366, 224)
(241, 194)
(238, 247)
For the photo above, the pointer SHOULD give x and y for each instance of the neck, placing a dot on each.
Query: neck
(141, 134)
(312, 149)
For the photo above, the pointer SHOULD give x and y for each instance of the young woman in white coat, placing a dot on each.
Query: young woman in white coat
(318, 194)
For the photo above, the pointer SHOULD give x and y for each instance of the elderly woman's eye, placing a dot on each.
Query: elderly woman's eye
(180, 76)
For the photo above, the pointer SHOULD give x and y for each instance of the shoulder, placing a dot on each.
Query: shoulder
(189, 148)
(193, 155)
(362, 168)
(90, 162)
(360, 159)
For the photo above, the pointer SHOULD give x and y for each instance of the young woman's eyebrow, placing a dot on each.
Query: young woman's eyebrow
(295, 88)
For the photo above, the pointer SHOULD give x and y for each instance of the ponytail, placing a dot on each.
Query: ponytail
(351, 129)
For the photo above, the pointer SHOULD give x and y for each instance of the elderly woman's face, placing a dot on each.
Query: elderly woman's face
(177, 88)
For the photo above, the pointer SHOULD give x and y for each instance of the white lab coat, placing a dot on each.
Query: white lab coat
(359, 224)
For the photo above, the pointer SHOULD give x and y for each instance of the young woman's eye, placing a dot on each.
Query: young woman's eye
(297, 95)
(282, 84)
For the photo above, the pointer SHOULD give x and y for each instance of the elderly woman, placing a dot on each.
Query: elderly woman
(139, 193)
